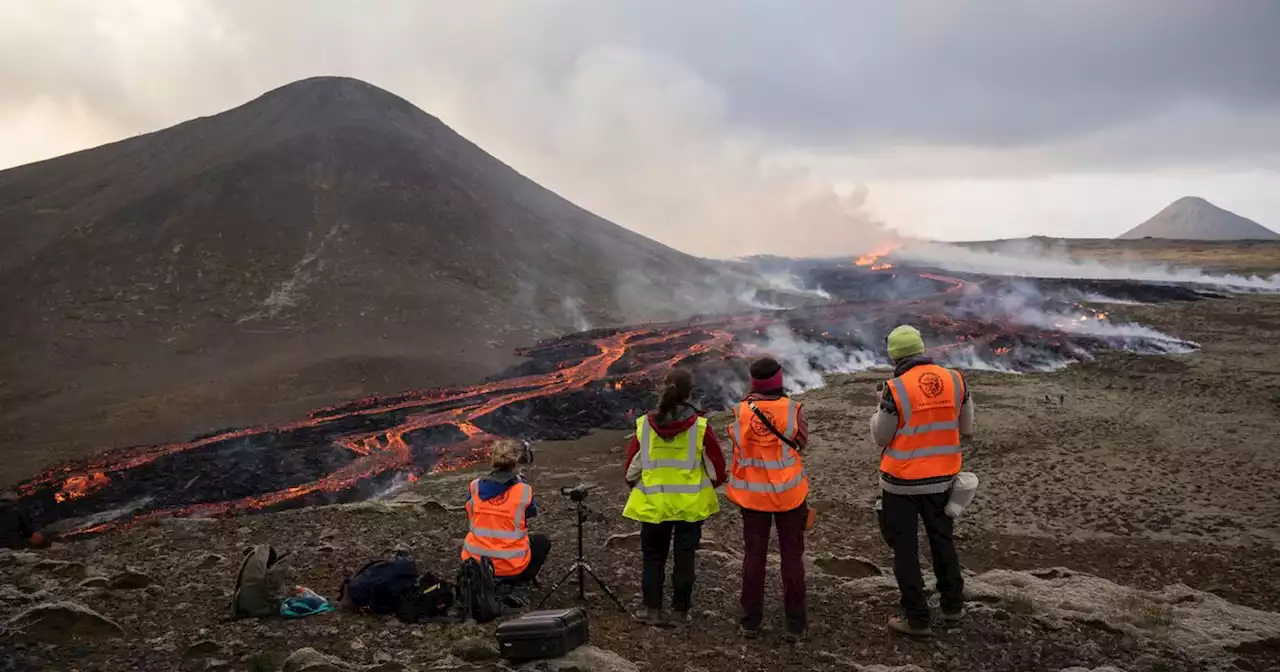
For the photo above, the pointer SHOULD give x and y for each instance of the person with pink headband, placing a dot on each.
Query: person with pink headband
(768, 483)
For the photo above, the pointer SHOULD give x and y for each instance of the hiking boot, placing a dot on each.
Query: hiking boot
(649, 616)
(750, 625)
(795, 629)
(681, 617)
(903, 627)
(953, 619)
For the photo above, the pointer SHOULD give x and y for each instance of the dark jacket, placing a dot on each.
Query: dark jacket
(667, 426)
(499, 482)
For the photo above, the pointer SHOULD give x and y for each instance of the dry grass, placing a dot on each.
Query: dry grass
(1146, 613)
(1020, 602)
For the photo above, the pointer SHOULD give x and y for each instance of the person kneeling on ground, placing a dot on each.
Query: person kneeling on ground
(499, 506)
(674, 464)
(924, 411)
(768, 482)
(16, 530)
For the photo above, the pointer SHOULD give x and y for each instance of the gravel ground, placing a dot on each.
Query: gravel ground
(1146, 471)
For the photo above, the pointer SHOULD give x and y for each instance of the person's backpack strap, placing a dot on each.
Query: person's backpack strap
(769, 426)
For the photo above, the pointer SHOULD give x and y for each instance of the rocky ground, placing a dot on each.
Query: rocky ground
(1128, 517)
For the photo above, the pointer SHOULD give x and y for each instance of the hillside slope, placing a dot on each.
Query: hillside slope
(324, 241)
(1193, 218)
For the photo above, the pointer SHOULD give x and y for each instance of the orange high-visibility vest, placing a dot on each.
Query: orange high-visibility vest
(927, 444)
(498, 529)
(766, 474)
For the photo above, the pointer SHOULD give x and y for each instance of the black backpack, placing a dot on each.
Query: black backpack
(380, 586)
(431, 601)
(478, 591)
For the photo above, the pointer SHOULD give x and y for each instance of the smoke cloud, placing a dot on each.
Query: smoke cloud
(1033, 261)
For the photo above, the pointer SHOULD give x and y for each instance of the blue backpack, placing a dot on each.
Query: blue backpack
(380, 586)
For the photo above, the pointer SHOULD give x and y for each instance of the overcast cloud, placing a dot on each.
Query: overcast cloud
(715, 125)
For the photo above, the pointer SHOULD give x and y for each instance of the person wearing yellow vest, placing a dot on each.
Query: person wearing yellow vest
(768, 482)
(674, 463)
(499, 507)
(924, 411)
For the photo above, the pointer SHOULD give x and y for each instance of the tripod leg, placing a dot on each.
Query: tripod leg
(605, 588)
(555, 586)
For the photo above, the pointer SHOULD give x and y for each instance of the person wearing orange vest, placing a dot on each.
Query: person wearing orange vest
(768, 482)
(498, 508)
(924, 411)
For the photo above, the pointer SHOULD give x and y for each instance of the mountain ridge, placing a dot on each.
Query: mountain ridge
(1194, 218)
(323, 241)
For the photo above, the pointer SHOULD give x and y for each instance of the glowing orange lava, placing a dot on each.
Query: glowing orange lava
(79, 486)
(872, 258)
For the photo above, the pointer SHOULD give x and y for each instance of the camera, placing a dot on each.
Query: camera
(526, 452)
(578, 492)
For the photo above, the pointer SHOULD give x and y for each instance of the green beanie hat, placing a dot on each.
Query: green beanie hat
(905, 341)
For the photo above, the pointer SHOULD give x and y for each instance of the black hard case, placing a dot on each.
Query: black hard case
(543, 634)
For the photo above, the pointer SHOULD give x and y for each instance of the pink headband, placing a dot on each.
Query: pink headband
(773, 382)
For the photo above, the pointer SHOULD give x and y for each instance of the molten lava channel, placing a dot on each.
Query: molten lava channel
(568, 386)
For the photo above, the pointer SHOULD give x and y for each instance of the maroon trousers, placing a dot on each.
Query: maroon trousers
(755, 537)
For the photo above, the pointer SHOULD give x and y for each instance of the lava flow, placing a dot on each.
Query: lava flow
(593, 379)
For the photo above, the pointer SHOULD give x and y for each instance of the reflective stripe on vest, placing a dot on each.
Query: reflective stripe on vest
(915, 488)
(675, 489)
(924, 446)
(493, 552)
(671, 489)
(497, 543)
(646, 456)
(776, 488)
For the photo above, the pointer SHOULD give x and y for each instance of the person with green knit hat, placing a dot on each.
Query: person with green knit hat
(905, 341)
(924, 411)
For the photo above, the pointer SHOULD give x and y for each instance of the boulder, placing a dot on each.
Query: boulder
(209, 561)
(95, 582)
(310, 660)
(1194, 622)
(475, 648)
(585, 658)
(61, 622)
(129, 579)
(623, 542)
(10, 558)
(63, 568)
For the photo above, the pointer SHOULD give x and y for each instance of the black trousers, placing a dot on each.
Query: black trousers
(539, 549)
(898, 516)
(656, 539)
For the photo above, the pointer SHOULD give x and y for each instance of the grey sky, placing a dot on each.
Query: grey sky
(697, 122)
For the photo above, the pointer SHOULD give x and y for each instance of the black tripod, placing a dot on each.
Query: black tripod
(579, 496)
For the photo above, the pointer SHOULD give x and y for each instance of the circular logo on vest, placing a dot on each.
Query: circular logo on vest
(931, 384)
(758, 427)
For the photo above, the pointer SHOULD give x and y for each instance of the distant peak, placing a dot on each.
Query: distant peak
(1191, 200)
(329, 92)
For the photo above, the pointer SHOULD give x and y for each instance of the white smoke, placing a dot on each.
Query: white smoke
(805, 362)
(777, 285)
(1094, 297)
(1041, 263)
(397, 483)
(573, 308)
